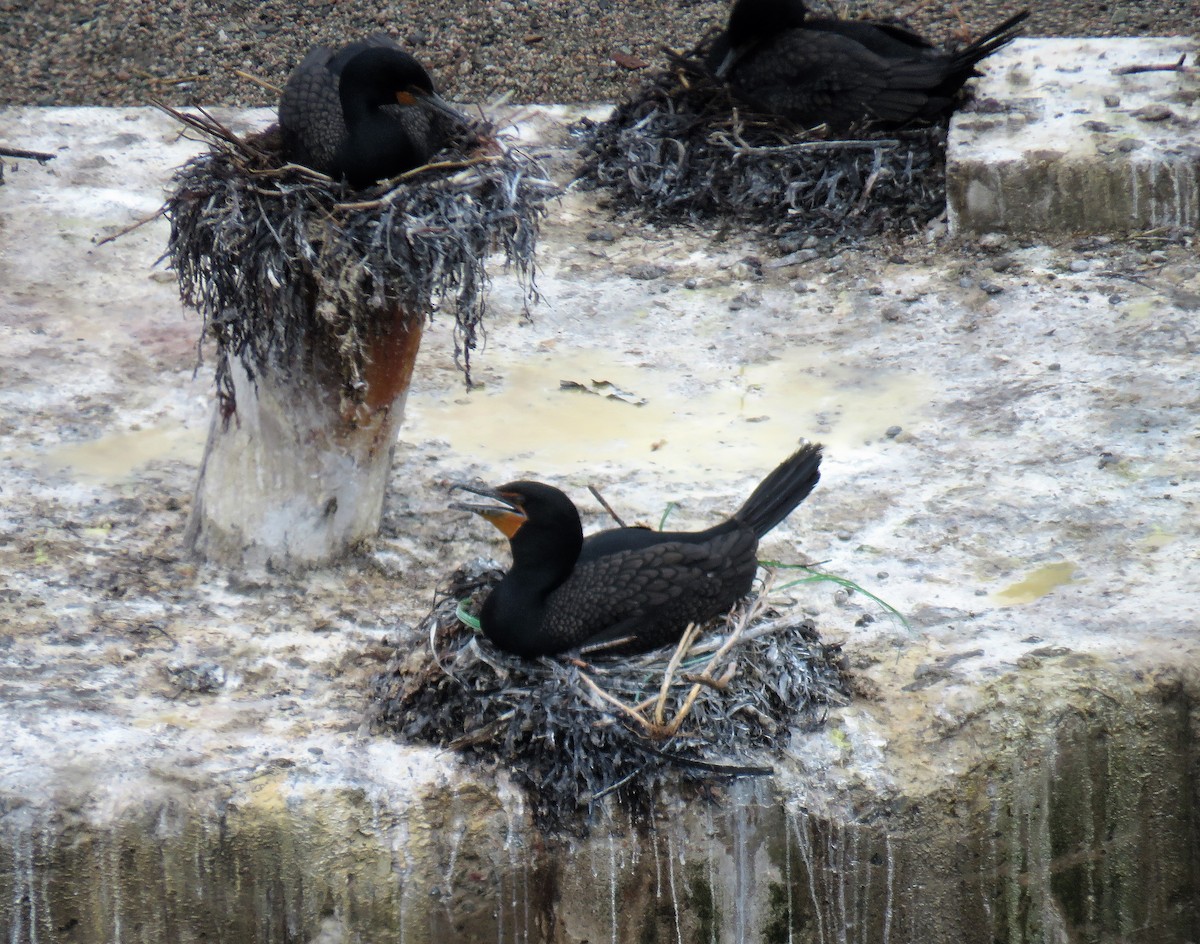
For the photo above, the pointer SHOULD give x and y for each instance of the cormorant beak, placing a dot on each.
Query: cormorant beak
(507, 518)
(727, 63)
(431, 101)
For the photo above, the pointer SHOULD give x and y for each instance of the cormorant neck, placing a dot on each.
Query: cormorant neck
(544, 552)
(754, 20)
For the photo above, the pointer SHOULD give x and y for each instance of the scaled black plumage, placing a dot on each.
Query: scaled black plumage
(366, 112)
(631, 588)
(781, 60)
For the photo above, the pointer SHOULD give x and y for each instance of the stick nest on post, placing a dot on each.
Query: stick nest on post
(279, 259)
(571, 733)
(682, 151)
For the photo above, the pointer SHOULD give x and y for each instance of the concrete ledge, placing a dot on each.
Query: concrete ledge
(1012, 436)
(1057, 142)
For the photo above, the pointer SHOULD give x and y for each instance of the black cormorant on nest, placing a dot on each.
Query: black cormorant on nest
(689, 148)
(781, 60)
(624, 589)
(719, 705)
(366, 112)
(280, 259)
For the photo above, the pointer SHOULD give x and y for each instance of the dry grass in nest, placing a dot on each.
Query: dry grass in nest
(284, 263)
(572, 733)
(682, 151)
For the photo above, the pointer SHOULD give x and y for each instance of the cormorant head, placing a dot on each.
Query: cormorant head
(757, 19)
(384, 75)
(751, 21)
(540, 522)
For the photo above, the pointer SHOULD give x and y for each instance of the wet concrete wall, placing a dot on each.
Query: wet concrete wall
(1076, 820)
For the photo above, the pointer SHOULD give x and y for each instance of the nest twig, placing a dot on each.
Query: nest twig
(282, 262)
(573, 732)
(682, 151)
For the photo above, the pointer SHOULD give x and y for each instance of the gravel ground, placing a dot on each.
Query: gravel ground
(123, 52)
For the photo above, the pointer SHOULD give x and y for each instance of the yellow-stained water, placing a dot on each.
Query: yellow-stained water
(114, 458)
(741, 421)
(1156, 538)
(1037, 583)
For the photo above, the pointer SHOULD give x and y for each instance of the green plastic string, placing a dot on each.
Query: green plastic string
(820, 576)
(466, 618)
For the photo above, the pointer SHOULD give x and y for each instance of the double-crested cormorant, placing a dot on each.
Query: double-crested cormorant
(631, 588)
(366, 112)
(778, 58)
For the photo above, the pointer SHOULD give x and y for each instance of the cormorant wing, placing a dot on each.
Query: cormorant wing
(884, 39)
(652, 592)
(310, 112)
(814, 77)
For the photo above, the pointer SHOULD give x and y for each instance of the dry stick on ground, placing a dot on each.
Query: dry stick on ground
(1173, 67)
(132, 226)
(607, 507)
(262, 83)
(21, 154)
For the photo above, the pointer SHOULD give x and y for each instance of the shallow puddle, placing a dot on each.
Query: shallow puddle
(614, 410)
(116, 457)
(1037, 583)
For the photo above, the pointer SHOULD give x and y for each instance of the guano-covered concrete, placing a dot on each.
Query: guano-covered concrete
(1012, 436)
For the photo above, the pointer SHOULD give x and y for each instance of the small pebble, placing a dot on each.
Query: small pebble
(799, 286)
(893, 432)
(790, 243)
(991, 288)
(646, 271)
(690, 283)
(1055, 366)
(965, 282)
(1080, 265)
(1112, 101)
(1154, 112)
(1002, 263)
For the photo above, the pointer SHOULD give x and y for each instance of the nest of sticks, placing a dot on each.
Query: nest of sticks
(573, 733)
(283, 262)
(683, 151)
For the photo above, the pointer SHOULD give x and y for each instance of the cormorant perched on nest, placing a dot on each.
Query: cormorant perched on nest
(814, 70)
(366, 112)
(627, 588)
